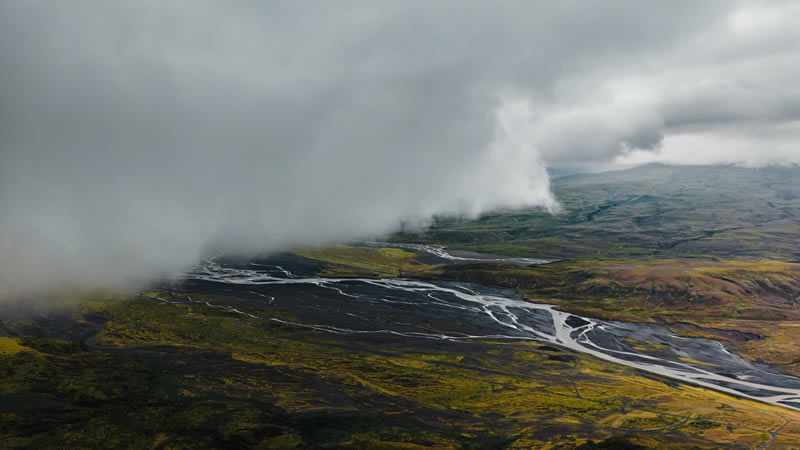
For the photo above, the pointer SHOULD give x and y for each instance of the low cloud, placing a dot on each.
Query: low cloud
(135, 134)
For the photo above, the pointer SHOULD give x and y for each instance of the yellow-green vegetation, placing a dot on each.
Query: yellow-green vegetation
(171, 375)
(649, 421)
(146, 321)
(694, 361)
(366, 261)
(11, 346)
(640, 345)
(28, 362)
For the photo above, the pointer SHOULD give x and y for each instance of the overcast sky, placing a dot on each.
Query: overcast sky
(135, 133)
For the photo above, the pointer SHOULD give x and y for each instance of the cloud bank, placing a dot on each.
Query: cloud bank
(135, 134)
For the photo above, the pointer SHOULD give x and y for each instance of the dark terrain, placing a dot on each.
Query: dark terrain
(262, 353)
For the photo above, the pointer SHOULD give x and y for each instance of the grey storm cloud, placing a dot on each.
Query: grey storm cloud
(134, 134)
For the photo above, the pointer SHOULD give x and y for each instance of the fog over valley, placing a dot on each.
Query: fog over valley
(137, 137)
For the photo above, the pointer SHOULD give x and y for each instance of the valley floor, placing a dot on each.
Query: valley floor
(223, 365)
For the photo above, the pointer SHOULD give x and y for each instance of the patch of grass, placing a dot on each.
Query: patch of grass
(145, 321)
(366, 261)
(651, 422)
(11, 346)
(694, 361)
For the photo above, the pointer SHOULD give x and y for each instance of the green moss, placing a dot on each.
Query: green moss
(651, 423)
(366, 261)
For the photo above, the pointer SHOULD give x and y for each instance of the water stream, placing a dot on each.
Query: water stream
(461, 311)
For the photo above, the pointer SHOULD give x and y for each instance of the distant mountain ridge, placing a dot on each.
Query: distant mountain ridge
(725, 211)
